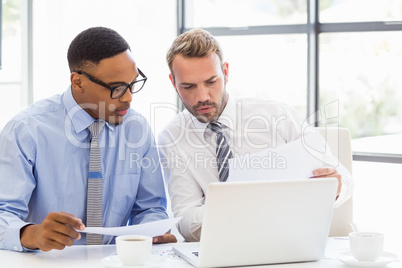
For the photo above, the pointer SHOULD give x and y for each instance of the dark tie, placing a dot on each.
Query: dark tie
(94, 197)
(223, 153)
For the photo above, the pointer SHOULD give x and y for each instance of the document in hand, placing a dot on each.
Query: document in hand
(296, 159)
(155, 228)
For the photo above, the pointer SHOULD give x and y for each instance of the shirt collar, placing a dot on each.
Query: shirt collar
(80, 119)
(228, 116)
(197, 124)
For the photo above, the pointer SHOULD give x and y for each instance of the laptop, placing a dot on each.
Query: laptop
(263, 222)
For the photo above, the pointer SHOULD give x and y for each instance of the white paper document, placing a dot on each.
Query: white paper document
(155, 228)
(294, 160)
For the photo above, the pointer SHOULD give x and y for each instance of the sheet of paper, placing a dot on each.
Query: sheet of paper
(155, 228)
(294, 160)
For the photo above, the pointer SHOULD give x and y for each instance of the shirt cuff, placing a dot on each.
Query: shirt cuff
(12, 240)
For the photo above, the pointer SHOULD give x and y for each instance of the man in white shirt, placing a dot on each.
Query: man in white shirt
(188, 146)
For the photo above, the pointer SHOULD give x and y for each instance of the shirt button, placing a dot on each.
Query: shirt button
(15, 248)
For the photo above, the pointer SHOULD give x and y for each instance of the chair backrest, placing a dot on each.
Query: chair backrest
(339, 142)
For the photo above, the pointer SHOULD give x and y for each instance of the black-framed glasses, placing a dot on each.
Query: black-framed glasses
(118, 91)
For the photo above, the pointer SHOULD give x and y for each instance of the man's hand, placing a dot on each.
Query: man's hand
(55, 232)
(329, 172)
(166, 238)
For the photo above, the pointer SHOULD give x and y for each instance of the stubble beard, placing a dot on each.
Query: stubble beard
(216, 112)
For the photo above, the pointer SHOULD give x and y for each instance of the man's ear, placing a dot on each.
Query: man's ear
(226, 71)
(76, 83)
(173, 82)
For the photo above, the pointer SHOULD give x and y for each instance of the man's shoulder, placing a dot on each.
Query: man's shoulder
(258, 106)
(260, 101)
(176, 125)
(42, 107)
(32, 118)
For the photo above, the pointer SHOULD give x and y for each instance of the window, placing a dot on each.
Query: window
(1, 22)
(12, 60)
(361, 70)
(360, 11)
(360, 57)
(240, 13)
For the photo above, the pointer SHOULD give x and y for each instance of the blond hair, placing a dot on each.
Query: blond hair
(196, 43)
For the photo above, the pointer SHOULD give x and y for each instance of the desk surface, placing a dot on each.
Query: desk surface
(91, 256)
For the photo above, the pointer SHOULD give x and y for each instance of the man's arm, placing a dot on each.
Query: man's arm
(186, 195)
(17, 182)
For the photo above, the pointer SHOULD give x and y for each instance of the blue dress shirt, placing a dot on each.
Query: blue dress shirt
(44, 161)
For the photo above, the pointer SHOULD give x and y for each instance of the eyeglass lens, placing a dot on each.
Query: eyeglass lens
(134, 87)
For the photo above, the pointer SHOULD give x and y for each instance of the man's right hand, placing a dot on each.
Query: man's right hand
(55, 232)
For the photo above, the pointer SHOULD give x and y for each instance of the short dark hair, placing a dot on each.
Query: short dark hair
(93, 45)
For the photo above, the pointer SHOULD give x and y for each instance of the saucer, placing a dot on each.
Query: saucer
(114, 261)
(347, 258)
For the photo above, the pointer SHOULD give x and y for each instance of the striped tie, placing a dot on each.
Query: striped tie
(223, 153)
(94, 197)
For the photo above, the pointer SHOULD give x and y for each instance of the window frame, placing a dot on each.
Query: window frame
(313, 28)
(1, 34)
(26, 81)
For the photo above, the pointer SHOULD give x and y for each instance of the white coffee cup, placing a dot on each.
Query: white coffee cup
(133, 249)
(366, 246)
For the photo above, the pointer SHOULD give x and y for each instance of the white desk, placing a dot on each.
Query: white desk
(91, 256)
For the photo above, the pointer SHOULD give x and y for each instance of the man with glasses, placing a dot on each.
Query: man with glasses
(45, 161)
(196, 145)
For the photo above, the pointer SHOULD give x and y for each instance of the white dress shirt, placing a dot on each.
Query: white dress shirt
(188, 152)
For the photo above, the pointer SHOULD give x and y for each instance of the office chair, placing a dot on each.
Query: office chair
(339, 141)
